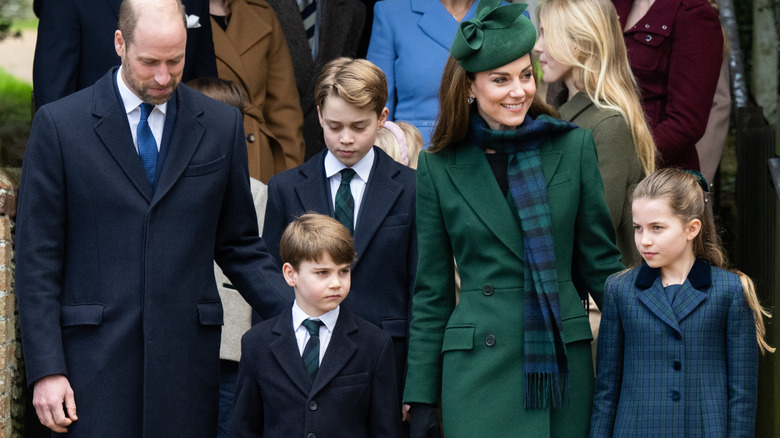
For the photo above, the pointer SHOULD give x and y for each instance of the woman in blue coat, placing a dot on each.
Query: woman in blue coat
(410, 42)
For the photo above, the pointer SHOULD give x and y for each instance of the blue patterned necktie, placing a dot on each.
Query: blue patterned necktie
(311, 352)
(309, 15)
(345, 204)
(147, 146)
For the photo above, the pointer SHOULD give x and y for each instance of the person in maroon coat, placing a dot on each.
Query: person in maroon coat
(675, 48)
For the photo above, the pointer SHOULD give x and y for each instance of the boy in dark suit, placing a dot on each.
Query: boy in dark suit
(317, 369)
(365, 189)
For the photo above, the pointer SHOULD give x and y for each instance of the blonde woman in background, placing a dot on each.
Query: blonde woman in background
(580, 44)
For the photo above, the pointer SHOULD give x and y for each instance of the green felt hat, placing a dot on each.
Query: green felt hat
(496, 36)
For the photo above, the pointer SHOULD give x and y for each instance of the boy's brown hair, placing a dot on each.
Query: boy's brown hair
(359, 82)
(312, 235)
(220, 89)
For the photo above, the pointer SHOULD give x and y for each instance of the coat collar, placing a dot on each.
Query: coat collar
(437, 23)
(380, 195)
(693, 292)
(246, 29)
(181, 136)
(472, 176)
(575, 106)
(340, 350)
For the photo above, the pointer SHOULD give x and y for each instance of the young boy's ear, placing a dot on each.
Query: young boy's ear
(383, 117)
(289, 274)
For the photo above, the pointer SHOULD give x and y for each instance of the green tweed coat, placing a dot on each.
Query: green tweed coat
(469, 356)
(619, 163)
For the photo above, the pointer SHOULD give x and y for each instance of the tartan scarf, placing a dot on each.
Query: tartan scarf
(544, 363)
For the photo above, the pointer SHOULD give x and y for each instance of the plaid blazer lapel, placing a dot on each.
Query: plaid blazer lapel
(651, 294)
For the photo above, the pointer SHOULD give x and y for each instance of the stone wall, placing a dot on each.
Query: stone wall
(12, 403)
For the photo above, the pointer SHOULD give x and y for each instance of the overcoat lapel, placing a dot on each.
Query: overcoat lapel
(186, 135)
(380, 196)
(692, 293)
(472, 176)
(313, 192)
(436, 22)
(114, 131)
(340, 350)
(241, 35)
(285, 349)
(654, 298)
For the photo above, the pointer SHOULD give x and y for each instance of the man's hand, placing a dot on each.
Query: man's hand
(49, 395)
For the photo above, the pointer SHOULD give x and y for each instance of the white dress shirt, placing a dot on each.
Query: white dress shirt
(302, 335)
(132, 105)
(358, 184)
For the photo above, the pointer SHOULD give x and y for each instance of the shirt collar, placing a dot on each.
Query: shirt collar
(129, 99)
(329, 318)
(362, 168)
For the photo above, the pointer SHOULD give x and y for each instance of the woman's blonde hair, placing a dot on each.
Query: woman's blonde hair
(586, 35)
(452, 122)
(685, 196)
(399, 140)
(359, 82)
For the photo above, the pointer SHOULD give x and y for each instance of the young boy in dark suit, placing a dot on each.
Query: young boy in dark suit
(364, 188)
(316, 370)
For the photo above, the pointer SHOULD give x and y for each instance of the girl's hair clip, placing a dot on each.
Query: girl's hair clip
(700, 179)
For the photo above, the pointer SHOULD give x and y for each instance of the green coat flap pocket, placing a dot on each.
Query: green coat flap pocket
(210, 313)
(458, 338)
(576, 329)
(81, 314)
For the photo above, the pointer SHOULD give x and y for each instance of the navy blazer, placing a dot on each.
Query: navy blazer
(75, 45)
(687, 369)
(353, 394)
(385, 237)
(115, 279)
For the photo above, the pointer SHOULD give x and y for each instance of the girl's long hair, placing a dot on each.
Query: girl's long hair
(586, 35)
(687, 199)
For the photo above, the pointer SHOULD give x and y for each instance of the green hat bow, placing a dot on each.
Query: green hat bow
(496, 36)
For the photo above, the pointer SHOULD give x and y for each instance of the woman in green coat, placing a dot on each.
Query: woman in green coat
(513, 196)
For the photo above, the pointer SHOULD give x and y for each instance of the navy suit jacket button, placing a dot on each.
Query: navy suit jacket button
(312, 405)
(490, 340)
(675, 395)
(311, 435)
(677, 365)
(677, 336)
(487, 290)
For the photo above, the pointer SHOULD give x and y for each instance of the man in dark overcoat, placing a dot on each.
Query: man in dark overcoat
(130, 189)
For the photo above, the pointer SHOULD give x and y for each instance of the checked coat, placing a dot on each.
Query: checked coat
(684, 370)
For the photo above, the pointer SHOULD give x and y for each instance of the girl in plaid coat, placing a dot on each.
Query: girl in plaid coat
(680, 335)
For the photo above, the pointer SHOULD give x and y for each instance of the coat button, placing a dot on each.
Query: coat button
(664, 27)
(677, 365)
(487, 290)
(677, 336)
(490, 340)
(647, 26)
(649, 38)
(250, 138)
(675, 395)
(311, 435)
(312, 405)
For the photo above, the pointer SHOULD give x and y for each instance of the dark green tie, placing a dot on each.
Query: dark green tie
(345, 204)
(311, 353)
